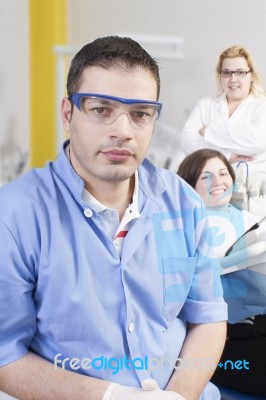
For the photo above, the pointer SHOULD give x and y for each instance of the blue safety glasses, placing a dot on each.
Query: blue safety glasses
(107, 109)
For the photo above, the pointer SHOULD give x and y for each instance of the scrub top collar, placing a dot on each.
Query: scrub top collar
(99, 207)
(150, 179)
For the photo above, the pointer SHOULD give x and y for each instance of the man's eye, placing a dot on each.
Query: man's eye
(99, 110)
(142, 116)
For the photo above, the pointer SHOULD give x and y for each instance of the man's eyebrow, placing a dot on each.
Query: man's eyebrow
(99, 100)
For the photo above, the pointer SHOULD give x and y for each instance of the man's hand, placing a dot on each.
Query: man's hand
(150, 391)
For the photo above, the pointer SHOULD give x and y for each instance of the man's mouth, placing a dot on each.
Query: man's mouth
(117, 154)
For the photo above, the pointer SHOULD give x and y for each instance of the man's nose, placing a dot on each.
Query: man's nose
(121, 126)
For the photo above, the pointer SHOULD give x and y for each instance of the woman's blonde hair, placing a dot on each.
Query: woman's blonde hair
(256, 87)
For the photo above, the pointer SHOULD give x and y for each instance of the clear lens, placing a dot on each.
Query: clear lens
(107, 111)
(226, 73)
(241, 74)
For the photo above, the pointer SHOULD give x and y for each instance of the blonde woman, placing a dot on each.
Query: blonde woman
(233, 121)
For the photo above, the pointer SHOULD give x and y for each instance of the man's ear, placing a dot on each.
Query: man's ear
(66, 113)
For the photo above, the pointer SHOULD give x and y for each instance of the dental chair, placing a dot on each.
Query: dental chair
(244, 268)
(249, 190)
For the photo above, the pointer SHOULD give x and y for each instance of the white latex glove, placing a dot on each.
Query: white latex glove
(150, 391)
(157, 393)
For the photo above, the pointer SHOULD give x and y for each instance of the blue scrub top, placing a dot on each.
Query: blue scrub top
(66, 295)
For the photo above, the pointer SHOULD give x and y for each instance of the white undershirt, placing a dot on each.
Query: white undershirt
(117, 230)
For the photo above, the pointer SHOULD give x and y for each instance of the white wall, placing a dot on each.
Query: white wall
(208, 26)
(14, 84)
(14, 88)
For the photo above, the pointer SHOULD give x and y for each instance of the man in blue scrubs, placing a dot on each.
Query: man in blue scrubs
(106, 290)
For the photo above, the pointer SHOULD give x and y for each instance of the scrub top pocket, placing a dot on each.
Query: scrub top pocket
(178, 275)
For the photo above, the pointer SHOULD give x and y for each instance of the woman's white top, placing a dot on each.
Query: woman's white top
(243, 133)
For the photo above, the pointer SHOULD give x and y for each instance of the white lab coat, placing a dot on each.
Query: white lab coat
(244, 132)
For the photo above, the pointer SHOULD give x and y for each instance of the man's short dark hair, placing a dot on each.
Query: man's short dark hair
(109, 52)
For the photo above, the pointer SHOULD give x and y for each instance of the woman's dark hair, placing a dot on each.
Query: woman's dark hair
(192, 166)
(109, 52)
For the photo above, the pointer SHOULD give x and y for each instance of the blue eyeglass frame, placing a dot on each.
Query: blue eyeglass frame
(75, 97)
